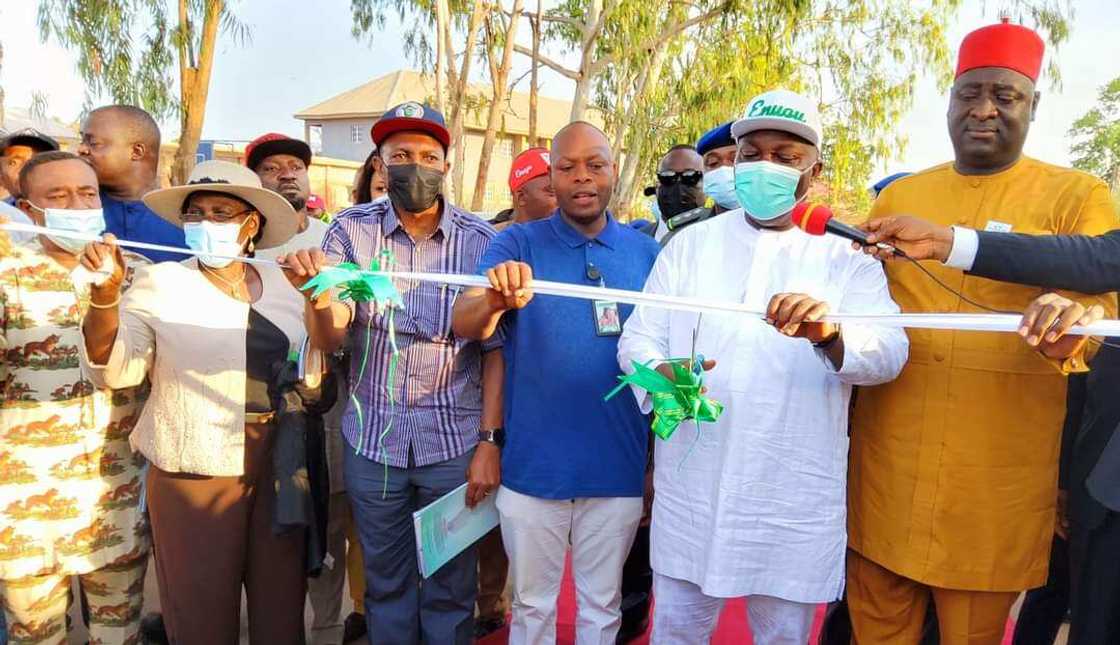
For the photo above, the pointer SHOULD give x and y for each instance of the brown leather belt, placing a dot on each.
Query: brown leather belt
(259, 417)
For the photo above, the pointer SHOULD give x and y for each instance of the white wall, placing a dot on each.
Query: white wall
(346, 138)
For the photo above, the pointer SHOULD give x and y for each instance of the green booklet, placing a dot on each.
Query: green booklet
(446, 527)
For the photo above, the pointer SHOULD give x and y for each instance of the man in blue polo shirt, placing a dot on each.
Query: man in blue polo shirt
(122, 144)
(573, 465)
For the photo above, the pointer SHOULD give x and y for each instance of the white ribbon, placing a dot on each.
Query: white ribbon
(953, 321)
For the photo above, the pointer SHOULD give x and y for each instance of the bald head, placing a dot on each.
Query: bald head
(681, 157)
(138, 125)
(678, 181)
(579, 131)
(122, 143)
(583, 171)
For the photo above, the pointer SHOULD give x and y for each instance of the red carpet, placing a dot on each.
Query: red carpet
(731, 630)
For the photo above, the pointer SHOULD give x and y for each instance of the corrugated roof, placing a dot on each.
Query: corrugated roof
(19, 118)
(372, 99)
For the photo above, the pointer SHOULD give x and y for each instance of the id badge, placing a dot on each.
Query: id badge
(607, 321)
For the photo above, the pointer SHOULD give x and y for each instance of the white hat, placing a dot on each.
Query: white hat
(781, 110)
(236, 180)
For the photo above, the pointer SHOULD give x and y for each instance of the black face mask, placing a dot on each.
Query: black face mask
(678, 198)
(413, 187)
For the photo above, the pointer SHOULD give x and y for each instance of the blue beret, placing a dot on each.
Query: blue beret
(717, 137)
(887, 181)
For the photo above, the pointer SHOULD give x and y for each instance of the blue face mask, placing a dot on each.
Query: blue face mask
(719, 184)
(766, 190)
(220, 239)
(87, 221)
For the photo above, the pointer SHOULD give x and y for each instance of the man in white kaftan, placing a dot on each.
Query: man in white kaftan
(754, 504)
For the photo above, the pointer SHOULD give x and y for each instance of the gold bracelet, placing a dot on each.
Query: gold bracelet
(111, 305)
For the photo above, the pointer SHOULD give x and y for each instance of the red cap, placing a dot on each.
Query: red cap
(315, 201)
(1013, 47)
(275, 143)
(527, 165)
(811, 217)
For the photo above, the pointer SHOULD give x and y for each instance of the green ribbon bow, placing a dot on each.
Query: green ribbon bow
(674, 401)
(357, 285)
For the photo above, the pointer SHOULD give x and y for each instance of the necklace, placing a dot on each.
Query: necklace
(234, 287)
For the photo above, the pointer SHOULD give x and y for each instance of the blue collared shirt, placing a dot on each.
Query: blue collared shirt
(437, 382)
(563, 440)
(136, 222)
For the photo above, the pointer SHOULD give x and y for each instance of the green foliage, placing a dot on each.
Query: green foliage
(656, 83)
(128, 49)
(124, 48)
(864, 57)
(1097, 135)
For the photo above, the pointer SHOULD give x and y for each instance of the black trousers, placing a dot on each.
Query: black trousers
(637, 583)
(1044, 608)
(1095, 599)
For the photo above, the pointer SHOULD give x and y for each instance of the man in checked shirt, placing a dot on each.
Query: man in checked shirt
(433, 445)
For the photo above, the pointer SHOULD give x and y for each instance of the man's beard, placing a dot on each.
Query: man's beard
(297, 202)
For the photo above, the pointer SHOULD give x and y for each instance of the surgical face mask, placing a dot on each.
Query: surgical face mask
(215, 238)
(414, 187)
(766, 190)
(88, 221)
(719, 184)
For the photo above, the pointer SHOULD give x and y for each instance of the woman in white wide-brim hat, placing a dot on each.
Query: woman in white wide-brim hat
(208, 333)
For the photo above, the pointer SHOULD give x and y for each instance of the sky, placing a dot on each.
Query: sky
(302, 53)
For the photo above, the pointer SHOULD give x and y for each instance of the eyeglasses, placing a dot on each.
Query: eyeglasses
(218, 216)
(686, 177)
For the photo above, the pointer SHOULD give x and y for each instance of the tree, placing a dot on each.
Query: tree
(664, 72)
(534, 82)
(860, 58)
(1097, 149)
(448, 17)
(582, 24)
(499, 77)
(2, 115)
(127, 50)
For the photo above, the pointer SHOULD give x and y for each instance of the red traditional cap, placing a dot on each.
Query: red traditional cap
(1013, 47)
(527, 165)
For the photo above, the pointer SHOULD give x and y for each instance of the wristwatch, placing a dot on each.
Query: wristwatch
(496, 436)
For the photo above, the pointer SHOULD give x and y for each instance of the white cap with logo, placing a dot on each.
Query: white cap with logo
(781, 110)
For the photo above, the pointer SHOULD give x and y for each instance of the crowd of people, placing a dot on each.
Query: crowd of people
(207, 411)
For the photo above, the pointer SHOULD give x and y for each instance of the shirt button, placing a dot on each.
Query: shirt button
(940, 358)
(962, 221)
(975, 183)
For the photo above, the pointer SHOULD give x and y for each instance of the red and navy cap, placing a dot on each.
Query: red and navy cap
(411, 117)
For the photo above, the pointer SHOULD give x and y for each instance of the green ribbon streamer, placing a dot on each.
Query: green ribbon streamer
(360, 286)
(674, 401)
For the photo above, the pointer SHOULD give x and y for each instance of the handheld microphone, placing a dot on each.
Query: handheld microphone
(817, 219)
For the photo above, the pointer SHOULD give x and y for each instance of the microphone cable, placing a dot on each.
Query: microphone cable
(900, 253)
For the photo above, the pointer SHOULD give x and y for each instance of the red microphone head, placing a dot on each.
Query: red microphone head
(811, 217)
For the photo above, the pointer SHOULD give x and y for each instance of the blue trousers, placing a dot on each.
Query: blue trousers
(401, 607)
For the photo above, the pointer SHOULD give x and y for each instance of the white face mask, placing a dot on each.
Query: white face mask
(214, 239)
(86, 221)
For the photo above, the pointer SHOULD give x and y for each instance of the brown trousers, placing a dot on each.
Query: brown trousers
(212, 535)
(888, 608)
